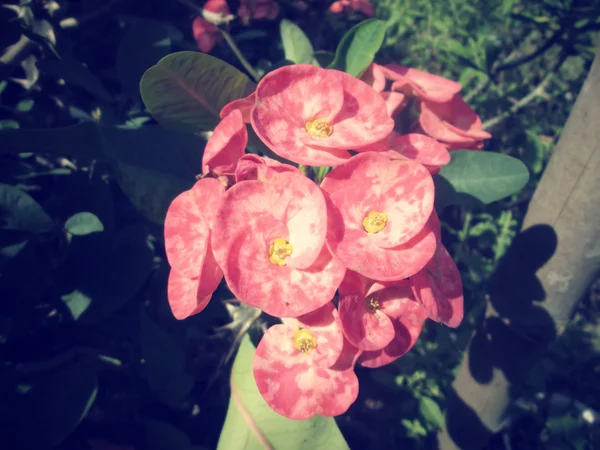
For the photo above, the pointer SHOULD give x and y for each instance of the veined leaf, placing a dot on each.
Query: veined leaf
(475, 178)
(251, 424)
(18, 211)
(186, 91)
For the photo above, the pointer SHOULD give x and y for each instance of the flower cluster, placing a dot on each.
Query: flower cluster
(353, 266)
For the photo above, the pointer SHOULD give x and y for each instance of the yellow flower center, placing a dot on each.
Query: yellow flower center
(279, 250)
(374, 222)
(304, 340)
(319, 128)
(372, 304)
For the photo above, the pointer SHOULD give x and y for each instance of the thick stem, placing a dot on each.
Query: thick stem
(538, 282)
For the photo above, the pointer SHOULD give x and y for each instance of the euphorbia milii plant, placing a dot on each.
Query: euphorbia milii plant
(352, 266)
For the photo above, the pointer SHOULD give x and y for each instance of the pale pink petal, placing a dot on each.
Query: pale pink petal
(438, 288)
(182, 293)
(373, 76)
(348, 357)
(354, 284)
(186, 235)
(211, 274)
(299, 203)
(393, 297)
(424, 85)
(401, 189)
(290, 97)
(295, 388)
(452, 122)
(325, 325)
(281, 291)
(243, 105)
(217, 6)
(226, 145)
(365, 329)
(208, 194)
(394, 102)
(336, 7)
(407, 327)
(420, 148)
(254, 167)
(354, 250)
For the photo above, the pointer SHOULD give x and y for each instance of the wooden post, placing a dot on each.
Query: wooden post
(538, 283)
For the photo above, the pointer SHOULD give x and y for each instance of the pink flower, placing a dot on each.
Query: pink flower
(225, 146)
(452, 122)
(367, 310)
(378, 212)
(313, 116)
(304, 368)
(374, 76)
(254, 167)
(257, 9)
(420, 84)
(195, 273)
(407, 328)
(438, 288)
(269, 240)
(363, 6)
(244, 105)
(206, 33)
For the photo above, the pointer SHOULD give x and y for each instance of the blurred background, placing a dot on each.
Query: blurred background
(90, 355)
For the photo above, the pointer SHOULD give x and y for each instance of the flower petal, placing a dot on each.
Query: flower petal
(186, 235)
(374, 77)
(281, 291)
(354, 250)
(295, 388)
(424, 85)
(183, 295)
(407, 328)
(401, 189)
(326, 327)
(254, 167)
(438, 288)
(366, 330)
(226, 145)
(244, 105)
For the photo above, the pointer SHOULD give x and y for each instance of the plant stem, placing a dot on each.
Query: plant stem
(239, 55)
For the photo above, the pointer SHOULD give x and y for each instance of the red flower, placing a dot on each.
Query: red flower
(194, 272)
(206, 33)
(363, 6)
(244, 105)
(269, 240)
(304, 367)
(313, 116)
(380, 229)
(254, 167)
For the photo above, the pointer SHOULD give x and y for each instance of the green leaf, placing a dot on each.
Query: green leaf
(249, 419)
(164, 364)
(24, 105)
(77, 302)
(474, 178)
(18, 211)
(186, 91)
(296, 46)
(83, 223)
(144, 44)
(431, 412)
(55, 405)
(358, 47)
(8, 124)
(73, 72)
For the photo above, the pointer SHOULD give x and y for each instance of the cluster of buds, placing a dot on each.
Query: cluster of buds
(353, 266)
